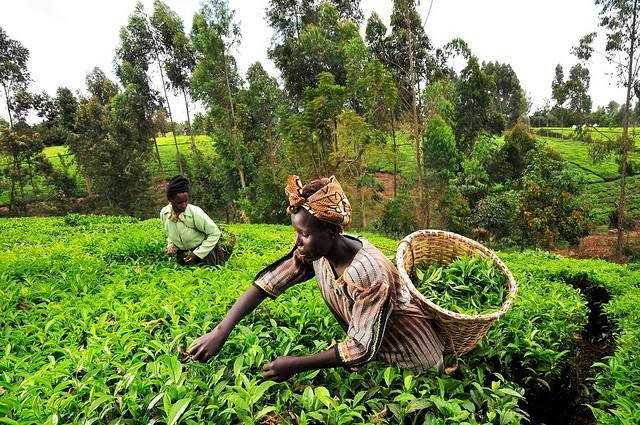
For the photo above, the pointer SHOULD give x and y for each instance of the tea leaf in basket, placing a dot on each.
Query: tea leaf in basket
(469, 285)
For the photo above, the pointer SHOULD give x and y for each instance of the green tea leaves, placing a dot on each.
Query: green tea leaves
(469, 285)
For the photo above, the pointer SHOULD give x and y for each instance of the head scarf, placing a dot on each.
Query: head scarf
(329, 203)
(177, 184)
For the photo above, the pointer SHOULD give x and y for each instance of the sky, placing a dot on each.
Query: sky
(68, 38)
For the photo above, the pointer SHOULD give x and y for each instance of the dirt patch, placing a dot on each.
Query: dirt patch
(564, 402)
(387, 182)
(600, 245)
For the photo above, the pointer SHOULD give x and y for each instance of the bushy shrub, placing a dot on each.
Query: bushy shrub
(497, 214)
(399, 217)
(509, 163)
(473, 181)
(549, 211)
(633, 167)
(497, 122)
(456, 211)
(545, 132)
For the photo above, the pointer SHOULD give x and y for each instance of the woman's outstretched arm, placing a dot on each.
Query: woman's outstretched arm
(285, 367)
(209, 344)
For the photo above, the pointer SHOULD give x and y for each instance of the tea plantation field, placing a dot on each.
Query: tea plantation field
(60, 158)
(94, 316)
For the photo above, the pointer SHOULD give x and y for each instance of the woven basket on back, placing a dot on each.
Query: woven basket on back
(461, 332)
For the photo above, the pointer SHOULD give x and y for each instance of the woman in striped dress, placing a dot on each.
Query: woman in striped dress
(362, 288)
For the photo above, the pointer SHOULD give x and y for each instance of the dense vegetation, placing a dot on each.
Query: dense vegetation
(94, 317)
(413, 137)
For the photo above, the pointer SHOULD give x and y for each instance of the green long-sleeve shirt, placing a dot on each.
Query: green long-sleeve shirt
(193, 229)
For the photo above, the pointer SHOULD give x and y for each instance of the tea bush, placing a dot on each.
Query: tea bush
(94, 316)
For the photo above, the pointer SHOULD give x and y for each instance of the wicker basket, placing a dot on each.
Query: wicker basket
(460, 331)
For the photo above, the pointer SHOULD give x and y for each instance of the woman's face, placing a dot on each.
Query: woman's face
(313, 239)
(179, 202)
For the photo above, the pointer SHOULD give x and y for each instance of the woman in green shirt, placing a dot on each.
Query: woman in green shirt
(192, 236)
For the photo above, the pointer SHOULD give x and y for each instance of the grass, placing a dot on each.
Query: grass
(598, 133)
(168, 155)
(94, 316)
(383, 159)
(600, 199)
(166, 149)
(577, 154)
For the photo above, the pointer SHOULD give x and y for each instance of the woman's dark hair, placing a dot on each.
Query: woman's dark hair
(177, 184)
(309, 189)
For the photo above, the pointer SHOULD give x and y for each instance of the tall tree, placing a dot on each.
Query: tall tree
(215, 79)
(409, 59)
(13, 68)
(91, 123)
(66, 105)
(376, 37)
(577, 92)
(263, 105)
(474, 100)
(620, 21)
(100, 86)
(116, 128)
(314, 47)
(378, 94)
(176, 50)
(508, 98)
(409, 48)
(138, 47)
(289, 17)
(356, 139)
(558, 89)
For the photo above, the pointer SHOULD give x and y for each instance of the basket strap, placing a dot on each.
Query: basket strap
(413, 258)
(453, 348)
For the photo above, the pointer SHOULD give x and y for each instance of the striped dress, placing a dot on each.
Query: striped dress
(381, 318)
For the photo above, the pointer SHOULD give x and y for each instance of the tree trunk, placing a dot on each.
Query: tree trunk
(34, 186)
(186, 105)
(395, 155)
(6, 96)
(155, 143)
(234, 128)
(173, 125)
(414, 116)
(12, 195)
(362, 209)
(624, 148)
(335, 135)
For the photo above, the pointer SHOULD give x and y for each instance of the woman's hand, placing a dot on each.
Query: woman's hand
(299, 258)
(171, 250)
(281, 369)
(208, 345)
(191, 259)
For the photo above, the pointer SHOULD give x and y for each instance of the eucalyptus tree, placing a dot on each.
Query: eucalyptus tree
(216, 81)
(619, 22)
(175, 50)
(13, 69)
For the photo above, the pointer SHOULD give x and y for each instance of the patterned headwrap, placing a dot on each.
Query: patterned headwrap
(329, 203)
